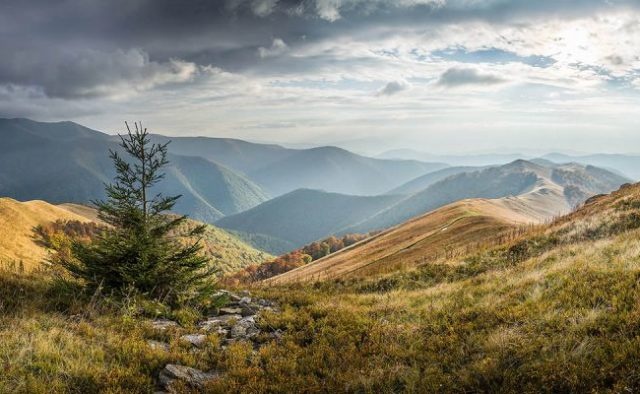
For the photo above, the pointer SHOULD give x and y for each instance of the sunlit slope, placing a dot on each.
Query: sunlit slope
(439, 234)
(17, 223)
(18, 242)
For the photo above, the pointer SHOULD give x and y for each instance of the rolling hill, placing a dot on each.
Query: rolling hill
(17, 223)
(437, 235)
(18, 241)
(300, 217)
(65, 162)
(304, 215)
(556, 189)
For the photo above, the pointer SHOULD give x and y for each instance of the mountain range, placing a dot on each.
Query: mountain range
(548, 190)
(66, 162)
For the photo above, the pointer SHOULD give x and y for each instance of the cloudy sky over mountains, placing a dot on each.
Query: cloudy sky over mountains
(452, 75)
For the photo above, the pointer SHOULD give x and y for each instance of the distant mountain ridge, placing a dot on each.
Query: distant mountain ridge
(548, 191)
(304, 215)
(280, 170)
(65, 162)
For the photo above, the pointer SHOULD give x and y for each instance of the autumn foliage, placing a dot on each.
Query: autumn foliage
(295, 259)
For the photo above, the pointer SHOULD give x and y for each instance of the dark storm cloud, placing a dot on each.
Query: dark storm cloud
(87, 48)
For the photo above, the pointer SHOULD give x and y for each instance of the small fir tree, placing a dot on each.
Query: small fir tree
(136, 251)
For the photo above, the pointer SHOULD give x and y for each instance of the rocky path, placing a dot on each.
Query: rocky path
(236, 321)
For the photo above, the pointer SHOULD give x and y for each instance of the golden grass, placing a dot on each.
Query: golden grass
(439, 235)
(17, 222)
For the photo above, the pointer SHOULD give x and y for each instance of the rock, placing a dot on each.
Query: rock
(218, 321)
(197, 340)
(248, 310)
(262, 302)
(244, 328)
(238, 331)
(163, 324)
(230, 311)
(191, 376)
(234, 297)
(157, 345)
(245, 301)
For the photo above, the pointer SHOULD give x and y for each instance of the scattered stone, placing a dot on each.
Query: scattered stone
(163, 324)
(191, 376)
(245, 301)
(230, 311)
(248, 310)
(217, 321)
(157, 345)
(262, 302)
(238, 331)
(197, 340)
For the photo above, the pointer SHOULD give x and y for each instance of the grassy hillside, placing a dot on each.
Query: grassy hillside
(435, 236)
(555, 310)
(19, 242)
(65, 162)
(303, 216)
(228, 253)
(17, 223)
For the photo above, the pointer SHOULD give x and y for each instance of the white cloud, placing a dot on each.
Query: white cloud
(263, 8)
(278, 47)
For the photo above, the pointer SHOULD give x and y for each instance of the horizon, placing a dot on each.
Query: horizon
(430, 75)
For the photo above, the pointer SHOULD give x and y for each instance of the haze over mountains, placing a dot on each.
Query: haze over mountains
(547, 191)
(278, 198)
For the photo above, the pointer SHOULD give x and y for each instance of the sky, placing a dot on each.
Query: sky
(441, 76)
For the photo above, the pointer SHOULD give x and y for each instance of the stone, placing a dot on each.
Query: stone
(163, 324)
(238, 331)
(245, 300)
(248, 310)
(157, 345)
(230, 311)
(197, 340)
(191, 376)
(262, 302)
(218, 321)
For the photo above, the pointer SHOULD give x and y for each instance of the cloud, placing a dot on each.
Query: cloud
(263, 7)
(329, 9)
(90, 73)
(394, 87)
(455, 77)
(278, 47)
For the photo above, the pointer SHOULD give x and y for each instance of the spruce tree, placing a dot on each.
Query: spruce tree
(136, 251)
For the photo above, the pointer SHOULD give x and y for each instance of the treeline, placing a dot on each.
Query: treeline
(297, 258)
